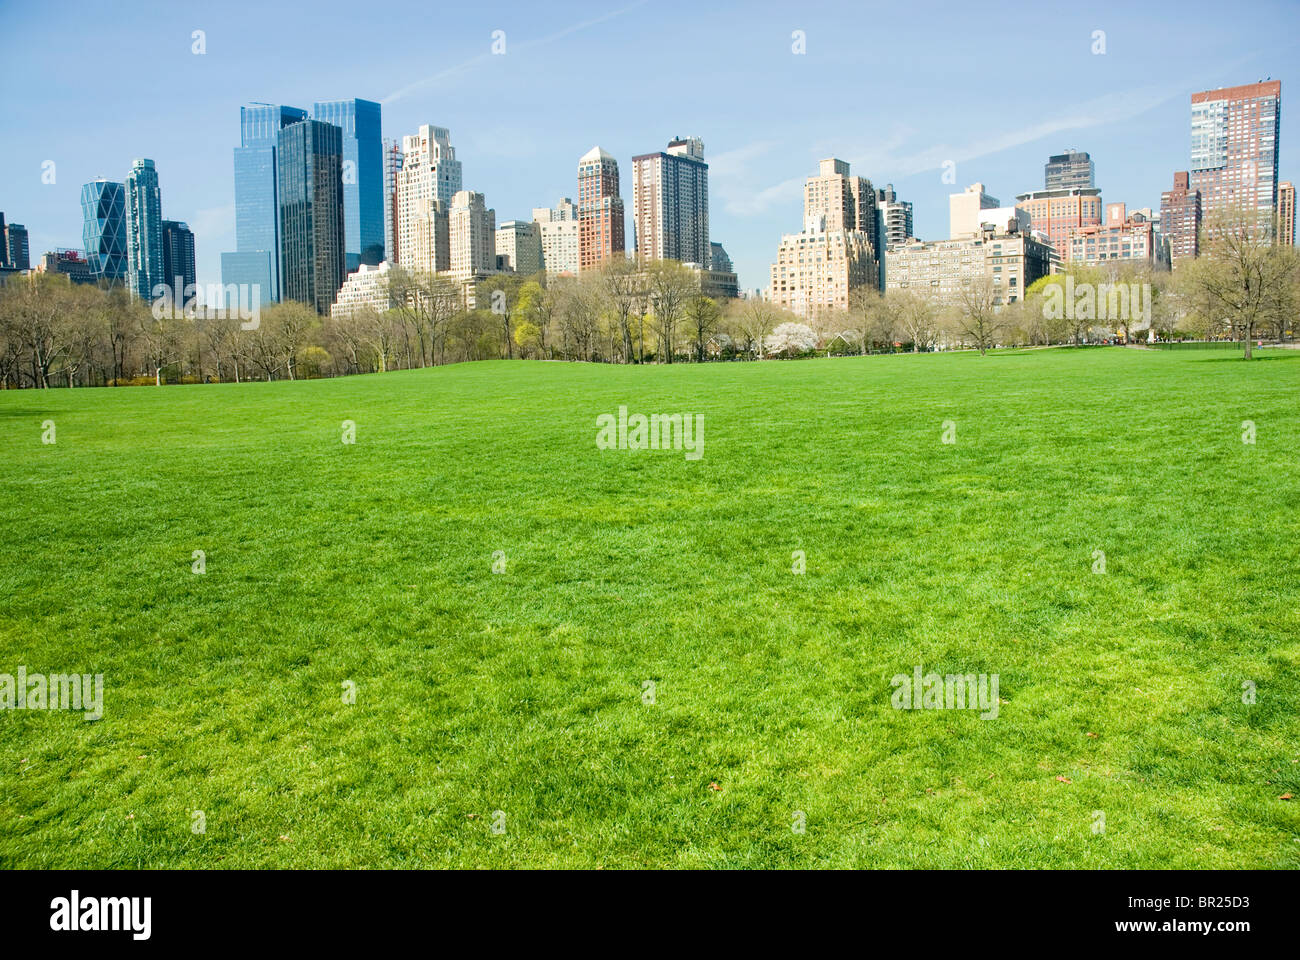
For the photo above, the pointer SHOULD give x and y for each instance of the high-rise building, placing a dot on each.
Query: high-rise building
(1180, 219)
(670, 203)
(310, 190)
(1072, 170)
(178, 258)
(392, 165)
(430, 175)
(720, 260)
(103, 232)
(472, 231)
(1055, 213)
(519, 247)
(13, 245)
(1121, 236)
(895, 217)
(558, 229)
(1285, 215)
(966, 211)
(1235, 147)
(144, 255)
(363, 176)
(600, 210)
(820, 268)
(255, 261)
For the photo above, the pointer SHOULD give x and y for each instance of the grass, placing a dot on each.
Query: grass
(522, 692)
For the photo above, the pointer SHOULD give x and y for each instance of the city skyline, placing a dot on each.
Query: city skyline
(902, 132)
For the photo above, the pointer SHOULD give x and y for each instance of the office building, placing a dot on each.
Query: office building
(670, 203)
(103, 231)
(600, 210)
(68, 262)
(1180, 219)
(1235, 132)
(178, 258)
(363, 176)
(519, 247)
(1072, 170)
(1285, 215)
(1054, 213)
(13, 245)
(310, 191)
(255, 261)
(144, 259)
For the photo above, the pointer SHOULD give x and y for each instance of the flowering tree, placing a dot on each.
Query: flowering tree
(791, 338)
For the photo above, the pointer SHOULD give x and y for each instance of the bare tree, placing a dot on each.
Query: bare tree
(976, 318)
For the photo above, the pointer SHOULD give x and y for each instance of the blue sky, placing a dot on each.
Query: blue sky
(896, 89)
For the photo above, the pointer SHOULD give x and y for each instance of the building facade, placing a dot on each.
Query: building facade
(103, 231)
(1072, 170)
(1285, 215)
(1235, 134)
(895, 217)
(820, 268)
(1121, 236)
(68, 262)
(255, 261)
(393, 157)
(519, 247)
(558, 228)
(943, 269)
(966, 211)
(144, 260)
(178, 258)
(1055, 213)
(363, 176)
(430, 175)
(670, 203)
(600, 210)
(472, 235)
(366, 288)
(310, 189)
(13, 245)
(1180, 219)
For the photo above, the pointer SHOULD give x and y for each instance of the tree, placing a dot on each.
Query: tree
(623, 287)
(977, 319)
(917, 317)
(755, 319)
(792, 338)
(702, 315)
(671, 287)
(1244, 278)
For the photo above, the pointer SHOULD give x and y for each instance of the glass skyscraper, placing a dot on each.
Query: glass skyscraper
(257, 210)
(178, 257)
(310, 190)
(144, 253)
(103, 232)
(363, 176)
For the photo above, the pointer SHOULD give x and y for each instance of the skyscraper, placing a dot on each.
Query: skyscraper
(256, 260)
(472, 236)
(144, 254)
(895, 217)
(1235, 147)
(1285, 216)
(429, 177)
(600, 210)
(519, 247)
(1180, 219)
(178, 257)
(310, 189)
(393, 157)
(363, 176)
(670, 203)
(1057, 212)
(103, 232)
(558, 227)
(13, 245)
(1072, 170)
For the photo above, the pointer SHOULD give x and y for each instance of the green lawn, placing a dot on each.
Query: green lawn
(523, 692)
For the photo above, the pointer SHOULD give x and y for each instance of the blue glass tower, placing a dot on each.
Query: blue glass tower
(103, 232)
(144, 248)
(312, 251)
(257, 217)
(178, 257)
(363, 176)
